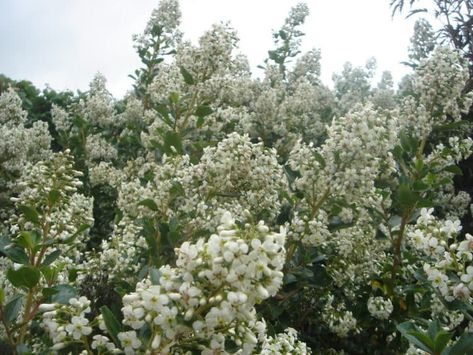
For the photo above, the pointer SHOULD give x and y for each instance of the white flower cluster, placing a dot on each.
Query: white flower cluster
(11, 111)
(433, 238)
(312, 232)
(50, 187)
(61, 119)
(236, 176)
(338, 319)
(67, 324)
(450, 318)
(380, 307)
(283, 112)
(221, 80)
(284, 343)
(439, 81)
(98, 149)
(19, 145)
(361, 256)
(352, 86)
(307, 68)
(166, 17)
(120, 254)
(64, 216)
(453, 204)
(104, 173)
(97, 107)
(422, 42)
(346, 165)
(211, 293)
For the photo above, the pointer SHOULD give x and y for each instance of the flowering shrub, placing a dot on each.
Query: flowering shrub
(147, 225)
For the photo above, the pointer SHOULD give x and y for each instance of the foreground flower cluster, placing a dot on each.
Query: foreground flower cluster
(206, 303)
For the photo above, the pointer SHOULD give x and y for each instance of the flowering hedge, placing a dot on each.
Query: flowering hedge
(211, 212)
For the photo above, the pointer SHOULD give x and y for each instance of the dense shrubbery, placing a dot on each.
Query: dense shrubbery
(211, 212)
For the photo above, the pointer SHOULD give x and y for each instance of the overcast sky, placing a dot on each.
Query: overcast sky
(63, 43)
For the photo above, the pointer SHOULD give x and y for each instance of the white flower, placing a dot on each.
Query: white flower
(468, 277)
(461, 292)
(129, 341)
(78, 327)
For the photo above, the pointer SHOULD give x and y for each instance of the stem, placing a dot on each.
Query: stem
(319, 203)
(11, 341)
(398, 243)
(421, 148)
(26, 316)
(290, 252)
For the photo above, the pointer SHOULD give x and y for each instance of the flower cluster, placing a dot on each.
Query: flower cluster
(67, 324)
(437, 239)
(209, 296)
(237, 176)
(49, 189)
(338, 319)
(346, 165)
(439, 82)
(284, 343)
(20, 145)
(164, 21)
(380, 307)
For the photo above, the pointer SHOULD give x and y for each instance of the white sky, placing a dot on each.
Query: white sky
(63, 43)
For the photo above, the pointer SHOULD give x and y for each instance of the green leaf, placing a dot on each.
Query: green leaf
(408, 143)
(72, 275)
(410, 332)
(397, 153)
(406, 197)
(283, 35)
(64, 294)
(48, 292)
(22, 349)
(188, 79)
(273, 55)
(111, 322)
(420, 186)
(30, 213)
(441, 340)
(53, 197)
(289, 279)
(17, 255)
(12, 308)
(149, 203)
(25, 239)
(51, 257)
(82, 228)
(172, 139)
(425, 202)
(453, 169)
(230, 346)
(49, 273)
(320, 159)
(434, 328)
(200, 122)
(25, 276)
(463, 346)
(451, 126)
(203, 110)
(173, 97)
(154, 275)
(177, 190)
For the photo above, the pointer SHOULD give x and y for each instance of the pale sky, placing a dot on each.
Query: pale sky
(63, 43)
